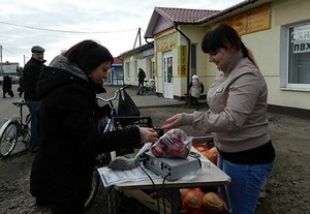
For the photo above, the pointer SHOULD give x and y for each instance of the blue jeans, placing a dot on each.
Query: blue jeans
(140, 84)
(241, 195)
(34, 139)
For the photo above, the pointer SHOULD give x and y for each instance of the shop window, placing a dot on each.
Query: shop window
(127, 70)
(297, 74)
(193, 59)
(136, 69)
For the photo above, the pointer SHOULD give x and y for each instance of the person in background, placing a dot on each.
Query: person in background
(31, 73)
(141, 77)
(195, 88)
(7, 86)
(20, 88)
(237, 119)
(62, 170)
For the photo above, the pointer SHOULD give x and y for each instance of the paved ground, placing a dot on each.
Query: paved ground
(144, 101)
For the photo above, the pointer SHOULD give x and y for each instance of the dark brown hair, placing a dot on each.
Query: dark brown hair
(224, 36)
(88, 55)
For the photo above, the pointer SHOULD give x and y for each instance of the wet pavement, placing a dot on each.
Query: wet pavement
(144, 101)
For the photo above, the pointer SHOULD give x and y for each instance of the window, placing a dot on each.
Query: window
(127, 70)
(169, 70)
(193, 59)
(298, 66)
(136, 70)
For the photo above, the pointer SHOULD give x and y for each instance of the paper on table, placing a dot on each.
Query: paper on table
(110, 177)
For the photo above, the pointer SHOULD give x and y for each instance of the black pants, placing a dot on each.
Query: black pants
(9, 92)
(195, 102)
(77, 208)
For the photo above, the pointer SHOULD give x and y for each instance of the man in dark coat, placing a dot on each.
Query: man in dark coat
(141, 77)
(31, 73)
(61, 173)
(7, 86)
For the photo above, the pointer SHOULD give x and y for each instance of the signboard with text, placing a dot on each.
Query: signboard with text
(182, 60)
(251, 21)
(300, 39)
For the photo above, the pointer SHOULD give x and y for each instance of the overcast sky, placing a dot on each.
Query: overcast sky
(58, 24)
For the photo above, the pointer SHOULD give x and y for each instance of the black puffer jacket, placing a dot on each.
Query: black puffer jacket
(62, 169)
(7, 84)
(31, 74)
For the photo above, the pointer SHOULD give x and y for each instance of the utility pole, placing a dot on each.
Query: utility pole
(138, 36)
(1, 70)
(24, 60)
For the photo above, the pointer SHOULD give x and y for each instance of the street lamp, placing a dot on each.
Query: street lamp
(25, 57)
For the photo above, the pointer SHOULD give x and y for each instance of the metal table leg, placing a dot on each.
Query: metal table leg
(174, 197)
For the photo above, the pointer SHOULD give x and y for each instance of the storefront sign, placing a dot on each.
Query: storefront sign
(182, 60)
(300, 38)
(258, 19)
(238, 23)
(166, 43)
(253, 20)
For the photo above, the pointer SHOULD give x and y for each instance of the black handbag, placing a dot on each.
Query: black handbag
(126, 106)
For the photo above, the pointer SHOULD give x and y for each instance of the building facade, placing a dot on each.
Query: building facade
(115, 73)
(11, 68)
(140, 57)
(276, 31)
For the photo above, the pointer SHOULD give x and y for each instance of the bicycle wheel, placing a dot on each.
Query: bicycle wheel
(142, 90)
(8, 139)
(93, 191)
(153, 90)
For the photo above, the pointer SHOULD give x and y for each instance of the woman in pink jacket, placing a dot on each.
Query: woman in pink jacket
(237, 119)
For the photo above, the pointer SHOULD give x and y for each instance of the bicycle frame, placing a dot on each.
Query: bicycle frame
(113, 114)
(13, 128)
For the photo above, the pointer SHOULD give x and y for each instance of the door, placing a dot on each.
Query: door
(168, 75)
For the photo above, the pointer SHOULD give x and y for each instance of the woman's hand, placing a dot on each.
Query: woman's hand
(205, 132)
(173, 122)
(147, 135)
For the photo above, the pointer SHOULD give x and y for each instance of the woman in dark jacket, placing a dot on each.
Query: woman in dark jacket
(61, 173)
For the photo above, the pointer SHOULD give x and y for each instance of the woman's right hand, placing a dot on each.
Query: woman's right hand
(173, 122)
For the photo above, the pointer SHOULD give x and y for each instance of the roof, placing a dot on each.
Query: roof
(233, 8)
(176, 16)
(137, 50)
(184, 15)
(117, 61)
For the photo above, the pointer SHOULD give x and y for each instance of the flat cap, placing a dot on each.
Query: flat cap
(37, 49)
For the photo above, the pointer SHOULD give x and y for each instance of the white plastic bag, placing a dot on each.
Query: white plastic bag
(173, 144)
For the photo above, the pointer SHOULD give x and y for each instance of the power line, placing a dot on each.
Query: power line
(65, 31)
(10, 51)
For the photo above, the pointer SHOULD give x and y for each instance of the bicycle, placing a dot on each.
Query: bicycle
(14, 129)
(149, 89)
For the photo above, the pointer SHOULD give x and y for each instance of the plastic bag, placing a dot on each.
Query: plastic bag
(126, 106)
(173, 144)
(127, 163)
